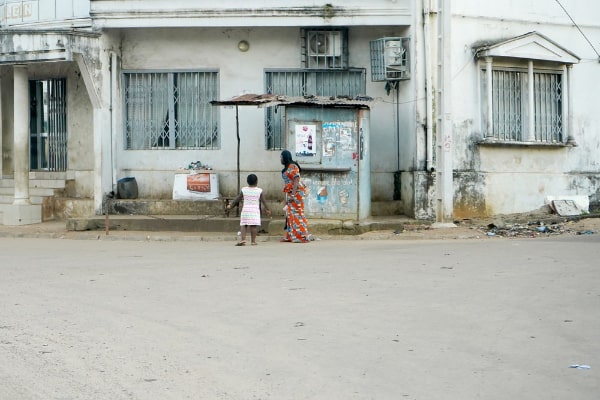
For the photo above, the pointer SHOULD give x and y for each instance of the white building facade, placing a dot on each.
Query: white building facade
(95, 91)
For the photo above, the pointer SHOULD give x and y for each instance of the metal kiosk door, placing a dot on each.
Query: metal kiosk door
(330, 144)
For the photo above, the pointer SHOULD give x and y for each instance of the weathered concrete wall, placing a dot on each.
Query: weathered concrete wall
(240, 72)
(501, 180)
(248, 13)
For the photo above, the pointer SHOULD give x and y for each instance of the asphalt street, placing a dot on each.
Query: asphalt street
(488, 318)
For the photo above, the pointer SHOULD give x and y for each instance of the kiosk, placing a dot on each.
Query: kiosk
(331, 146)
(329, 137)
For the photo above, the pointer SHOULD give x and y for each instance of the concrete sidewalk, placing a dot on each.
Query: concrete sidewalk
(390, 227)
(375, 228)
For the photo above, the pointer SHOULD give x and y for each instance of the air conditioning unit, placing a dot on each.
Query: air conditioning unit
(324, 43)
(390, 59)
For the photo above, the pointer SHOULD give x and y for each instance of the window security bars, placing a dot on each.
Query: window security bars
(390, 59)
(48, 125)
(548, 107)
(171, 110)
(511, 110)
(351, 83)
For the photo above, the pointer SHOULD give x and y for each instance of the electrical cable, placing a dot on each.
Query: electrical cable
(578, 28)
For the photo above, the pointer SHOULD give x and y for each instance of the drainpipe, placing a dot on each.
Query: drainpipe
(427, 15)
(113, 117)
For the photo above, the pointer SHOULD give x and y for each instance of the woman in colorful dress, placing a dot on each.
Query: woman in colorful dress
(252, 197)
(296, 225)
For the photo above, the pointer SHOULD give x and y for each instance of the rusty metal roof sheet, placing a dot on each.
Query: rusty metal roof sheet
(271, 100)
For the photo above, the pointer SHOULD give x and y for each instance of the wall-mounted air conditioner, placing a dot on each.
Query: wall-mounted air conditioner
(390, 59)
(324, 43)
(324, 48)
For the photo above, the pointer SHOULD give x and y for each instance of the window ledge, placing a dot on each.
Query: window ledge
(545, 145)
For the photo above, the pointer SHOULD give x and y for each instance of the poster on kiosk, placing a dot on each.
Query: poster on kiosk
(330, 144)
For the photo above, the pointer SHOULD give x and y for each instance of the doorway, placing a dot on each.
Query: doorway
(48, 125)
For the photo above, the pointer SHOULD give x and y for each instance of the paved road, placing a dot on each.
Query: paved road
(333, 319)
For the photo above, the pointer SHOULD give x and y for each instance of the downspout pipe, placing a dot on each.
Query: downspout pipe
(427, 12)
(113, 117)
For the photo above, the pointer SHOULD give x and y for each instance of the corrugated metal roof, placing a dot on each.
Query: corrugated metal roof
(270, 100)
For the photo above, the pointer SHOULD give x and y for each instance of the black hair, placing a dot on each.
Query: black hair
(286, 160)
(252, 179)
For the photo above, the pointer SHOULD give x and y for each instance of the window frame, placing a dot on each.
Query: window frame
(530, 128)
(533, 50)
(172, 105)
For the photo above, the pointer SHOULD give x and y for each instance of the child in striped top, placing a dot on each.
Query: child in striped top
(252, 198)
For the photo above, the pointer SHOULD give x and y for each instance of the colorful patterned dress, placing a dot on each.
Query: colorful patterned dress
(250, 214)
(296, 224)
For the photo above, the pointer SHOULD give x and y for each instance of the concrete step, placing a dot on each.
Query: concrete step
(210, 216)
(9, 199)
(167, 207)
(153, 223)
(214, 207)
(211, 223)
(35, 183)
(7, 194)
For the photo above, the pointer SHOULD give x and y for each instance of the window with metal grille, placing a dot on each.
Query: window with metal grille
(350, 82)
(526, 106)
(48, 139)
(171, 110)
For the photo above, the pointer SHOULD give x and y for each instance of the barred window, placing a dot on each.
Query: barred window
(171, 110)
(349, 82)
(526, 106)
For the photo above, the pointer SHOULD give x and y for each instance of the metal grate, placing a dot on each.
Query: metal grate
(57, 125)
(325, 48)
(171, 110)
(507, 87)
(390, 59)
(510, 107)
(548, 107)
(351, 82)
(48, 135)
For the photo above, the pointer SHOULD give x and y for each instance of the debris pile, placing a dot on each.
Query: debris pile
(530, 229)
(533, 229)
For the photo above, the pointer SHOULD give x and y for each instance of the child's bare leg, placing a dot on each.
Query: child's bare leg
(253, 233)
(243, 230)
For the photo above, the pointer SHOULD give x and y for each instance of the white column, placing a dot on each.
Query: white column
(21, 135)
(531, 102)
(1, 146)
(21, 211)
(489, 135)
(569, 90)
(565, 107)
